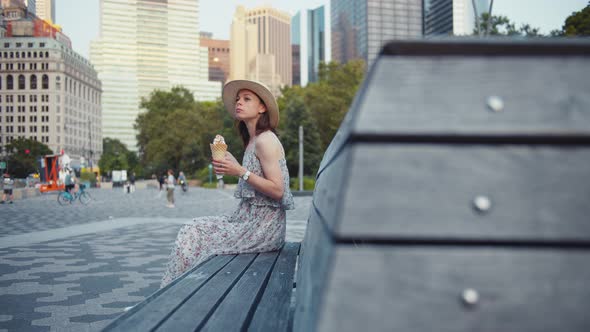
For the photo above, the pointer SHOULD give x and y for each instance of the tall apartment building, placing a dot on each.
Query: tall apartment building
(452, 17)
(311, 42)
(361, 27)
(261, 46)
(51, 94)
(146, 45)
(219, 57)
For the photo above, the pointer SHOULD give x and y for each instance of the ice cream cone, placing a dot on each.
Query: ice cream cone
(218, 152)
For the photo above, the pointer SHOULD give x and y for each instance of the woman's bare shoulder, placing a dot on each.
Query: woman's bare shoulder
(268, 143)
(268, 138)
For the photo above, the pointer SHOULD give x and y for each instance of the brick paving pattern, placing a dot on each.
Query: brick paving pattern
(81, 278)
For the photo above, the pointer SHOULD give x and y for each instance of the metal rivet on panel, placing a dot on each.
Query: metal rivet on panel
(470, 297)
(482, 204)
(495, 103)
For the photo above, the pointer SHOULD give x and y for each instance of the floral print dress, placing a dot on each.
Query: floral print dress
(258, 225)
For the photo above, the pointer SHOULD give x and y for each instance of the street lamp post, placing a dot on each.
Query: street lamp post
(300, 158)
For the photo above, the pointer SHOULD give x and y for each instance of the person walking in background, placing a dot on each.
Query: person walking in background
(259, 222)
(170, 188)
(8, 185)
(161, 180)
(69, 180)
(182, 181)
(132, 182)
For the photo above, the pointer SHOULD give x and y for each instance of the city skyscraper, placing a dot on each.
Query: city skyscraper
(311, 42)
(361, 27)
(45, 9)
(146, 45)
(260, 46)
(452, 17)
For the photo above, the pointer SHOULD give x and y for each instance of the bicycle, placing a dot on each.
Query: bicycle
(65, 197)
(184, 186)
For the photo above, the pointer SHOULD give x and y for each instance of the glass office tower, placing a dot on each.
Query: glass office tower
(310, 36)
(361, 27)
(452, 17)
(146, 45)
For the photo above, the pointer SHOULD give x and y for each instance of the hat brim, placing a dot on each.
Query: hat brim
(231, 89)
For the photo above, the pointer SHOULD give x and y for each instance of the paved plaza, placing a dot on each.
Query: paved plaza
(75, 268)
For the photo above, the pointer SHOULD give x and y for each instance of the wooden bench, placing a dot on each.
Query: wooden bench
(225, 293)
(473, 218)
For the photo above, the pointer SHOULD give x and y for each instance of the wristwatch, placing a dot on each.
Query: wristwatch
(246, 175)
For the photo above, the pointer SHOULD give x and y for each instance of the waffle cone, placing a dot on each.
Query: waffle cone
(218, 151)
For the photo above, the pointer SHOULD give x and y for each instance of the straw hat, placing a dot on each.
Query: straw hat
(231, 89)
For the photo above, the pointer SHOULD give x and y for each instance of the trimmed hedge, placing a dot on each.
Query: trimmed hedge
(308, 183)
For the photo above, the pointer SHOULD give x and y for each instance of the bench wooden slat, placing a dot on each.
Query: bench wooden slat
(196, 310)
(272, 312)
(148, 314)
(234, 311)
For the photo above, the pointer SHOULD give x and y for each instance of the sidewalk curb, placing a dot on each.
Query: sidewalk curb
(302, 192)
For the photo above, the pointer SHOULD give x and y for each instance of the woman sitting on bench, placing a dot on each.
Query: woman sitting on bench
(259, 223)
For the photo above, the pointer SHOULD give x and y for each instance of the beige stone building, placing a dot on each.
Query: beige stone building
(51, 94)
(260, 45)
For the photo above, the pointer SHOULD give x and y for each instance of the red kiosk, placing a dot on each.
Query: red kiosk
(51, 169)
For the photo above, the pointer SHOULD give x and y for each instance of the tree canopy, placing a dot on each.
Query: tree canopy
(175, 130)
(24, 155)
(503, 26)
(116, 156)
(577, 24)
(295, 113)
(319, 107)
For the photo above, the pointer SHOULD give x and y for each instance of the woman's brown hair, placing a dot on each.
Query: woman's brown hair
(262, 125)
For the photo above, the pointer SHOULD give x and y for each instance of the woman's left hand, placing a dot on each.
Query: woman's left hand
(228, 166)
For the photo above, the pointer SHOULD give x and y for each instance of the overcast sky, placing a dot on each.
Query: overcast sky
(80, 18)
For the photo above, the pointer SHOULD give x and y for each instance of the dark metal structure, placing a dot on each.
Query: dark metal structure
(456, 194)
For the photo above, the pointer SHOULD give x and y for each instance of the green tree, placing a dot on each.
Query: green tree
(175, 131)
(502, 26)
(116, 156)
(319, 107)
(330, 98)
(23, 156)
(577, 24)
(163, 126)
(219, 121)
(295, 113)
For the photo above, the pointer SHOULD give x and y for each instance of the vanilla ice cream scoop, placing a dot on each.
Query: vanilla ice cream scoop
(218, 139)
